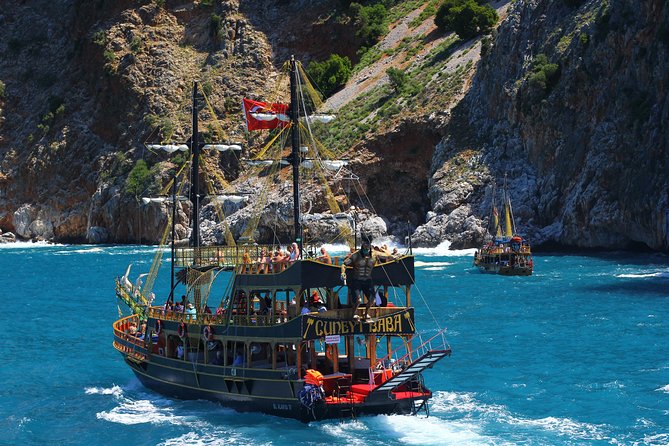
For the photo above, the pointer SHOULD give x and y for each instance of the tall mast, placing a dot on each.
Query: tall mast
(195, 175)
(295, 155)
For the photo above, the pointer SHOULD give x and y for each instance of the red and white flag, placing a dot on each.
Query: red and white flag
(265, 115)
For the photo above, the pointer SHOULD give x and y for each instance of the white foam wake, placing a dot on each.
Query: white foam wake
(664, 274)
(468, 404)
(419, 263)
(115, 390)
(29, 245)
(141, 411)
(664, 389)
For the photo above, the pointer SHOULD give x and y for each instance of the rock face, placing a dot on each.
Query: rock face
(569, 100)
(585, 147)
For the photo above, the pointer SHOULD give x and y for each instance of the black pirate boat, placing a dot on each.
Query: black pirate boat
(504, 251)
(284, 339)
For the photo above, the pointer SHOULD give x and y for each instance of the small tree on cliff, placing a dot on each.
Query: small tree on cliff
(397, 77)
(468, 18)
(330, 74)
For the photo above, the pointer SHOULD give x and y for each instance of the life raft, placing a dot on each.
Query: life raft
(208, 333)
(182, 330)
(158, 328)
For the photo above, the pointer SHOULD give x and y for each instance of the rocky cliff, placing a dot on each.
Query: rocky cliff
(570, 101)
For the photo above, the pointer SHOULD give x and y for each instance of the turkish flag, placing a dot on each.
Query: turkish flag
(264, 115)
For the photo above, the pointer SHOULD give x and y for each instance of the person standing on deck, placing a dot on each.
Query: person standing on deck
(362, 263)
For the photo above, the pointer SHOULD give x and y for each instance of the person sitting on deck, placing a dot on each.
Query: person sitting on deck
(305, 308)
(207, 310)
(239, 360)
(316, 302)
(324, 257)
(362, 263)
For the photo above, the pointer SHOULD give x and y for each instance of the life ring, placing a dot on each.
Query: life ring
(182, 330)
(208, 333)
(158, 327)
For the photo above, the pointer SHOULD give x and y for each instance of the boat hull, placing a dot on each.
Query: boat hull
(505, 270)
(182, 384)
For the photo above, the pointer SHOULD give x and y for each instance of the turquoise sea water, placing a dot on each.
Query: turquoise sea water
(575, 354)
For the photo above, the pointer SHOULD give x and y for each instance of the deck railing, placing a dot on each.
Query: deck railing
(230, 256)
(411, 350)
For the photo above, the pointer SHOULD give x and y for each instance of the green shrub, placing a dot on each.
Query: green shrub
(138, 179)
(99, 38)
(398, 78)
(136, 44)
(109, 56)
(370, 21)
(215, 25)
(541, 79)
(468, 18)
(3, 90)
(330, 74)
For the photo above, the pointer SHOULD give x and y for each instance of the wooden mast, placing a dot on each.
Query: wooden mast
(295, 154)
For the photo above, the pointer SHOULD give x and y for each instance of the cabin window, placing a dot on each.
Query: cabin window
(286, 355)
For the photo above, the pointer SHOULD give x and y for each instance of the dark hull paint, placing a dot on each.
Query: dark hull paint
(183, 384)
(505, 270)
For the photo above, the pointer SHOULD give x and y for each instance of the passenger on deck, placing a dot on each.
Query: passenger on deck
(294, 252)
(190, 311)
(316, 303)
(239, 360)
(207, 310)
(246, 258)
(324, 257)
(179, 308)
(305, 308)
(362, 263)
(263, 261)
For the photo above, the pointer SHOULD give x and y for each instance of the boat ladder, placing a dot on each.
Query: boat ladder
(424, 362)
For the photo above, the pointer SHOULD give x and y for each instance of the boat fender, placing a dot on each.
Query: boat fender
(208, 333)
(182, 331)
(310, 394)
(158, 327)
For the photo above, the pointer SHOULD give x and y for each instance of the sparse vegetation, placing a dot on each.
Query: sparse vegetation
(136, 44)
(138, 180)
(164, 125)
(330, 74)
(99, 38)
(3, 90)
(215, 26)
(423, 89)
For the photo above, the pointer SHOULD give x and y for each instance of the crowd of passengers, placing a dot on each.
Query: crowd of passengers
(312, 304)
(268, 259)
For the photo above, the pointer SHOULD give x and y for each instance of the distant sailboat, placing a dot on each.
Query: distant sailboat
(505, 252)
